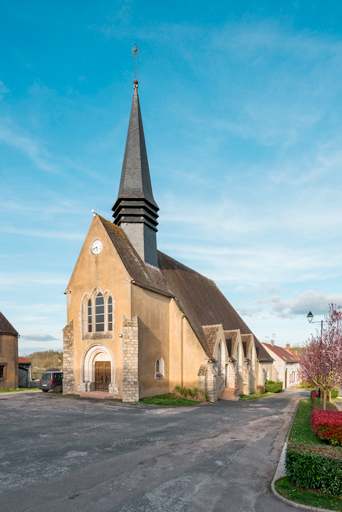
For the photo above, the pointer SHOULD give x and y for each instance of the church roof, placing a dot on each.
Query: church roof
(6, 327)
(197, 296)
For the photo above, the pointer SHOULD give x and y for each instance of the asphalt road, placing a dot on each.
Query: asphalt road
(67, 454)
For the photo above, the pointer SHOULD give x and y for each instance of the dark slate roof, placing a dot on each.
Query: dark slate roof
(6, 327)
(135, 175)
(197, 296)
(281, 352)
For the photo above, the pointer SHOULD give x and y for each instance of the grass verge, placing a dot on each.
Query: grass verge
(14, 390)
(311, 498)
(253, 396)
(301, 430)
(168, 400)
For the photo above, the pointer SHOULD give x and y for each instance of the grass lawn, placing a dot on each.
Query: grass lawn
(307, 497)
(301, 430)
(167, 400)
(253, 396)
(16, 389)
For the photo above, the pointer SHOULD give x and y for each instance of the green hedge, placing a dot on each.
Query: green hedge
(272, 386)
(334, 393)
(314, 470)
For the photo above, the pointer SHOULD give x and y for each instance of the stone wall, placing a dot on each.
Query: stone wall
(68, 359)
(207, 376)
(130, 375)
(245, 377)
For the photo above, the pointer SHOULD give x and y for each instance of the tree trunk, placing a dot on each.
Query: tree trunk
(330, 395)
(320, 396)
(325, 402)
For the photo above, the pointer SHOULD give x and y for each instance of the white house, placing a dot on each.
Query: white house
(286, 364)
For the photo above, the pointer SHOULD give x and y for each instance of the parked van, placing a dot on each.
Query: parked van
(51, 379)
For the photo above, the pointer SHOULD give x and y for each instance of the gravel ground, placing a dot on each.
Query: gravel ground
(65, 453)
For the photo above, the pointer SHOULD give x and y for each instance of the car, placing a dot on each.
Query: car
(51, 379)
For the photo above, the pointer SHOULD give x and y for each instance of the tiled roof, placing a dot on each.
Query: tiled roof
(197, 296)
(6, 327)
(282, 353)
(210, 333)
(23, 360)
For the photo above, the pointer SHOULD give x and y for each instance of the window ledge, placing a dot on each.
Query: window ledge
(98, 335)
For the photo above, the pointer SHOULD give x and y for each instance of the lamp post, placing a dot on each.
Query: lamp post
(310, 316)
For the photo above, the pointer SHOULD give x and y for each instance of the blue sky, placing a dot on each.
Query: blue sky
(242, 115)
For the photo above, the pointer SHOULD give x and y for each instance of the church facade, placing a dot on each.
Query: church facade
(139, 322)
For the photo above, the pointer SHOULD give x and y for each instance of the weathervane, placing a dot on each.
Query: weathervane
(135, 54)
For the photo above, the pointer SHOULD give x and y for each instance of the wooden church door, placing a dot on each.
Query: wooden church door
(102, 375)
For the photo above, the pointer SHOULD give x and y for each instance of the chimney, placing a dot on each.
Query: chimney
(272, 343)
(288, 347)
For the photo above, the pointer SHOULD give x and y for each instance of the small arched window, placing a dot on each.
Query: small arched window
(160, 368)
(110, 314)
(90, 316)
(99, 313)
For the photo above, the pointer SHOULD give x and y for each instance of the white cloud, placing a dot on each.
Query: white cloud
(304, 302)
(38, 337)
(3, 90)
(249, 311)
(33, 149)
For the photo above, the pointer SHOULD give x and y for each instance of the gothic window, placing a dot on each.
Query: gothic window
(160, 368)
(110, 314)
(90, 316)
(99, 313)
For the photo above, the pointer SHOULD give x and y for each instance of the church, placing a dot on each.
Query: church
(139, 322)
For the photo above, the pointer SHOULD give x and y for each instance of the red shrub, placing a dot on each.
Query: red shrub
(314, 395)
(327, 425)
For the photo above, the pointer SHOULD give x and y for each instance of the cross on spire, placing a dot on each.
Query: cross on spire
(135, 55)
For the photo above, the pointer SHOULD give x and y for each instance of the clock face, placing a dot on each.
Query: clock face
(96, 248)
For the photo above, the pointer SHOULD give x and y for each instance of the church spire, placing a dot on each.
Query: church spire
(135, 209)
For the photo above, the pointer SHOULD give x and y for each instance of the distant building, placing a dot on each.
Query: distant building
(286, 364)
(24, 372)
(8, 354)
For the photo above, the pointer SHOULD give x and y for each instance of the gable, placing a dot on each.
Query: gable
(6, 327)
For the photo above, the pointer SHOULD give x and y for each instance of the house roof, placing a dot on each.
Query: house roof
(6, 327)
(210, 333)
(23, 360)
(197, 296)
(282, 353)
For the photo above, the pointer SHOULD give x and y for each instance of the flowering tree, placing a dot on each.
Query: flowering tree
(321, 360)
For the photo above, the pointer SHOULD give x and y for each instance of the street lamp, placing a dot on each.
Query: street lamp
(310, 316)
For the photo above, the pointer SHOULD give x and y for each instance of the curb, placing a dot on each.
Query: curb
(279, 471)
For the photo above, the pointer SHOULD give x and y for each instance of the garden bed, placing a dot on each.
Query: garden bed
(313, 467)
(168, 400)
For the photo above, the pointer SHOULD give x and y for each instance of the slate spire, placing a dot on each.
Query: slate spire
(135, 209)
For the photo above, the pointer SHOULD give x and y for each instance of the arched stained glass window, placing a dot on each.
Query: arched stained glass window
(99, 313)
(90, 318)
(110, 314)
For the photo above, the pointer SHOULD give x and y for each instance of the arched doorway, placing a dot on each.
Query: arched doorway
(97, 369)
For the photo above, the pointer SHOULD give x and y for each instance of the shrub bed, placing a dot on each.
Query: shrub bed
(272, 386)
(327, 425)
(315, 467)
